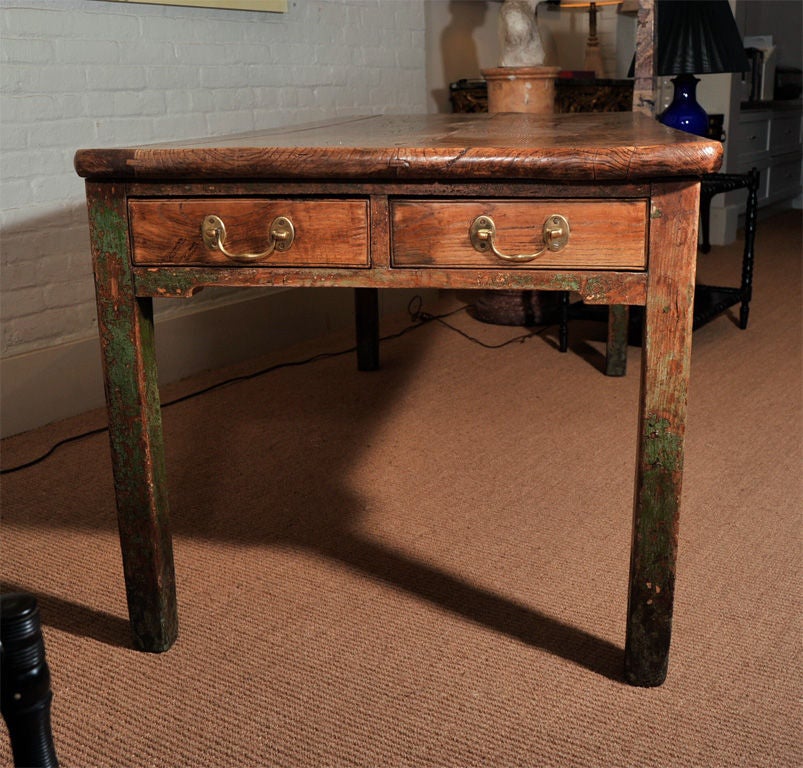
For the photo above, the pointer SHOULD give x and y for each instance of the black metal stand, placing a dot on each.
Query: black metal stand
(711, 300)
(25, 693)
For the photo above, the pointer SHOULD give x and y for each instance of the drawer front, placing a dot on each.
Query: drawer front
(602, 235)
(783, 177)
(752, 136)
(785, 134)
(326, 233)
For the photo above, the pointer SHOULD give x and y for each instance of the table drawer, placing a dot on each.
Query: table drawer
(752, 135)
(783, 177)
(785, 134)
(256, 232)
(611, 234)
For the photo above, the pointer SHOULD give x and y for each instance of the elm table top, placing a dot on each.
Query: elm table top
(586, 147)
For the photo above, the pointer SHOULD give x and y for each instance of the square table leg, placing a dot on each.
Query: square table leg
(366, 313)
(616, 348)
(135, 427)
(666, 353)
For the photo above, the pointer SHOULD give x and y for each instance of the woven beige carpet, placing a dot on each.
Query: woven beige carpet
(427, 565)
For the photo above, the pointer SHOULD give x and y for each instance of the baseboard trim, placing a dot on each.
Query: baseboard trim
(58, 382)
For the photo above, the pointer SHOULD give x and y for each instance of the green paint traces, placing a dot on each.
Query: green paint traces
(663, 448)
(109, 229)
(179, 282)
(567, 282)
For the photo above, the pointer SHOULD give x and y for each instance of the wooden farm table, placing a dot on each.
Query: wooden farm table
(602, 204)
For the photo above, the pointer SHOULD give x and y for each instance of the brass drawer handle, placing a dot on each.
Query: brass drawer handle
(213, 231)
(483, 233)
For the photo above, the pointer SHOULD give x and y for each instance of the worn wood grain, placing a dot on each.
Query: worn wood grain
(125, 324)
(644, 71)
(593, 286)
(604, 235)
(610, 146)
(327, 232)
(381, 189)
(666, 356)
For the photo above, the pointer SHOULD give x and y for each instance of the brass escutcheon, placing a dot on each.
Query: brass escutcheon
(482, 234)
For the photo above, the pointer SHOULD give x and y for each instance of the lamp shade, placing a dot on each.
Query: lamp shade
(698, 37)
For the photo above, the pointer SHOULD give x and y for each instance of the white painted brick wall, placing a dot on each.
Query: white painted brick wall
(92, 73)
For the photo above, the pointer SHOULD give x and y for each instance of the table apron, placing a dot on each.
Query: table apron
(594, 287)
(529, 190)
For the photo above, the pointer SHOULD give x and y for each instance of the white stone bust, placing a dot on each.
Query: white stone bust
(519, 39)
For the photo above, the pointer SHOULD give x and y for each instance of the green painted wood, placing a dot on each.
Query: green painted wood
(666, 353)
(593, 287)
(135, 427)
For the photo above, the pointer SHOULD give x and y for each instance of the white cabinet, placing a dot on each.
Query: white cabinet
(765, 135)
(768, 139)
(785, 155)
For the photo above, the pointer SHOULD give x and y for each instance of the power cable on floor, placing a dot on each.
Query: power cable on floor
(418, 318)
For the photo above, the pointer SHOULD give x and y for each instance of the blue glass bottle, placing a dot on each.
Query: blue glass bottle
(684, 113)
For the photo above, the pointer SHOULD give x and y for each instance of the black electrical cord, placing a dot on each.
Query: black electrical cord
(418, 317)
